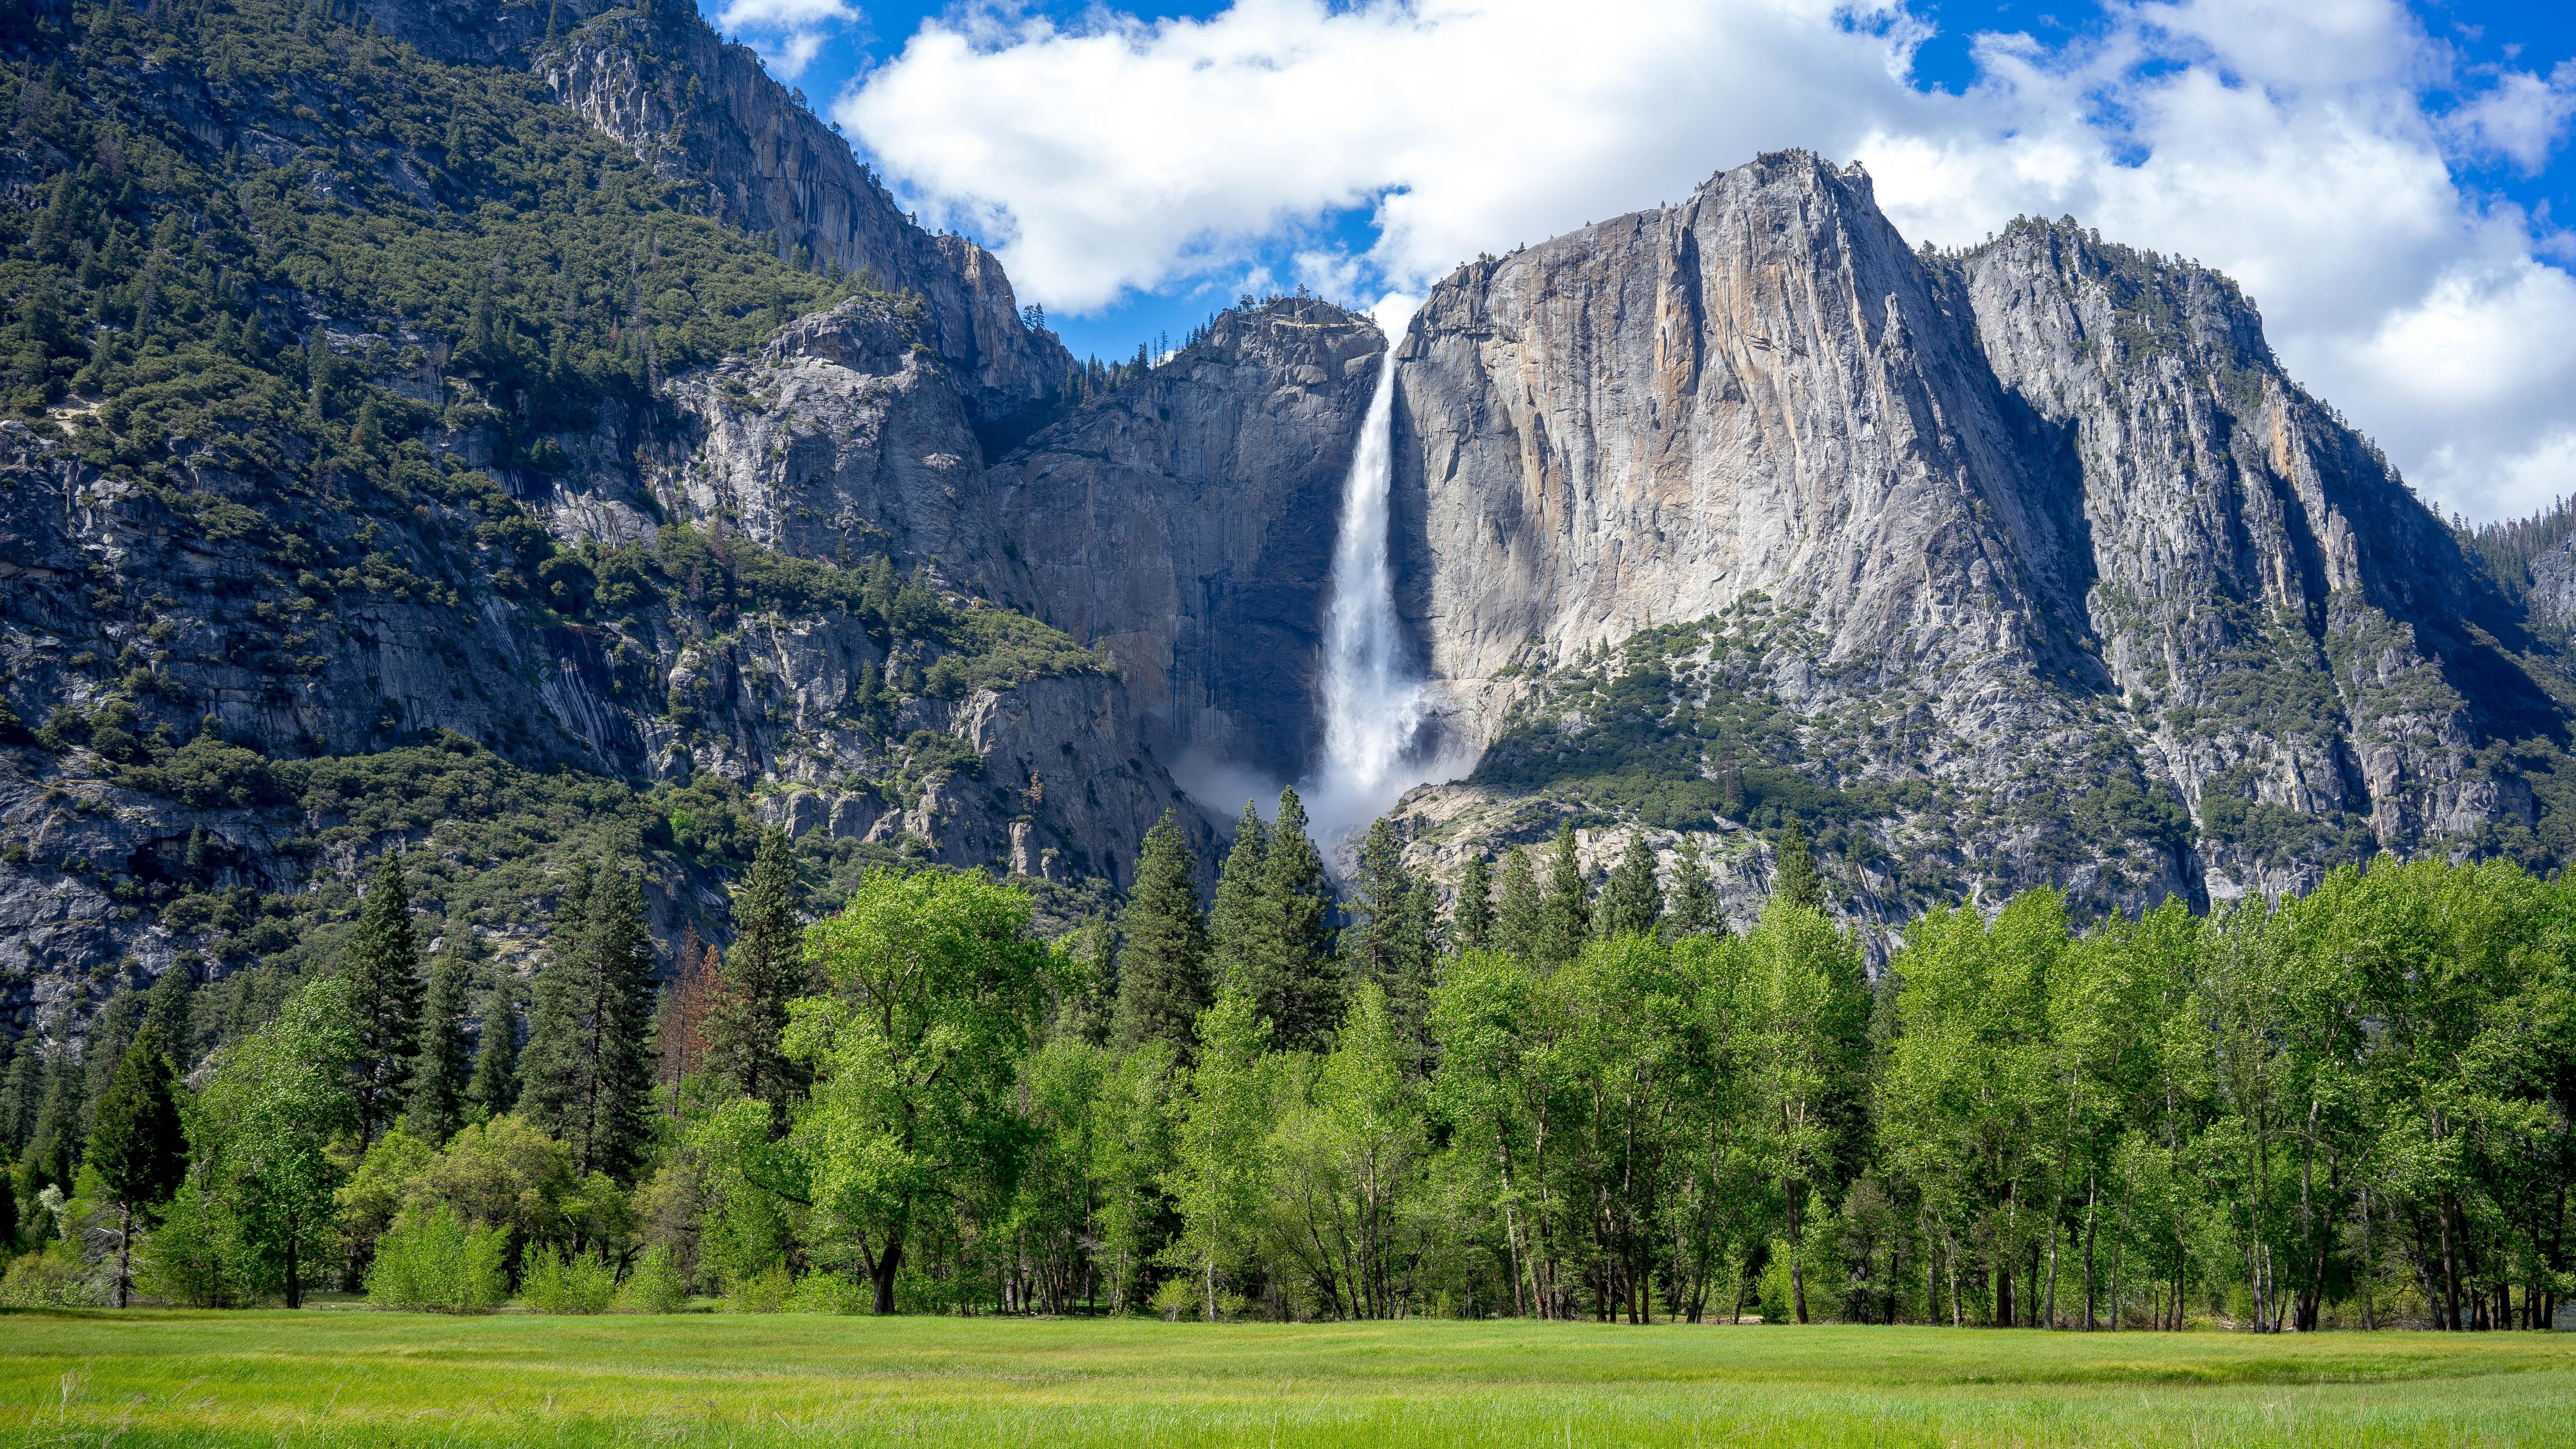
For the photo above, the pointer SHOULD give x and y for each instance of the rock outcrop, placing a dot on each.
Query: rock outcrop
(2024, 522)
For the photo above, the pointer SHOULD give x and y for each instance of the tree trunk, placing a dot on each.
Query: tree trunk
(124, 1254)
(294, 1282)
(2092, 1205)
(881, 1272)
(1797, 1269)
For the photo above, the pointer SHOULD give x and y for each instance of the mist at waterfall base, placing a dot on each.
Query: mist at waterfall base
(1370, 694)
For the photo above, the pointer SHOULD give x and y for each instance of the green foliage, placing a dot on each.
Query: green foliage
(938, 987)
(1163, 968)
(762, 973)
(435, 1263)
(655, 1286)
(263, 1131)
(587, 1074)
(382, 967)
(1289, 964)
(435, 1093)
(554, 1281)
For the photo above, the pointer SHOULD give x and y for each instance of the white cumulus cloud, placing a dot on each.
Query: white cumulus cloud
(2314, 150)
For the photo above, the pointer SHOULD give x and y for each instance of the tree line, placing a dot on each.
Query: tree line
(1521, 1090)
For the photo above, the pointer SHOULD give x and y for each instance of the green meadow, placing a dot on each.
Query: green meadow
(367, 1378)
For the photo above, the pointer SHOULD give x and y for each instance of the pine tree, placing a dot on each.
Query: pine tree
(383, 966)
(1633, 902)
(170, 1011)
(1565, 916)
(1520, 922)
(1793, 876)
(435, 1107)
(22, 1086)
(1471, 919)
(137, 1146)
(765, 969)
(1373, 939)
(494, 1088)
(1235, 921)
(110, 1032)
(1162, 971)
(1694, 903)
(53, 1143)
(588, 1073)
(1292, 968)
(549, 1066)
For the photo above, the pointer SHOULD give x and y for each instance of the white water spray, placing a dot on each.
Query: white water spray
(1372, 699)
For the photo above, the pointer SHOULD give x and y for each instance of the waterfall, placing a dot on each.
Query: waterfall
(1372, 698)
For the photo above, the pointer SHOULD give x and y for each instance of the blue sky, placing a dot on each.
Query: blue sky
(2388, 178)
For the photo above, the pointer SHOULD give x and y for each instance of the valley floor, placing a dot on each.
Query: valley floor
(354, 1377)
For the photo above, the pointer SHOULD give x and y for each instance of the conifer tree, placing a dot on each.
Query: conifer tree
(170, 1010)
(764, 970)
(587, 1075)
(382, 964)
(1694, 911)
(22, 1086)
(1235, 921)
(1390, 939)
(1471, 919)
(1293, 976)
(137, 1145)
(1520, 922)
(435, 1107)
(1373, 939)
(494, 1087)
(1793, 877)
(1163, 969)
(53, 1143)
(109, 1034)
(1632, 903)
(1565, 917)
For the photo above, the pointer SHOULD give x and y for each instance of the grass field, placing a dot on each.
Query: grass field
(359, 1378)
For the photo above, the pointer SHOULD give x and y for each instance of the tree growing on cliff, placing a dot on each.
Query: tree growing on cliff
(1793, 876)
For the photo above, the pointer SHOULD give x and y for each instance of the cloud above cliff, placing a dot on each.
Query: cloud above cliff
(2322, 152)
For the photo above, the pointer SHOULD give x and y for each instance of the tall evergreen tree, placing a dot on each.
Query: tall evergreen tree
(1235, 921)
(1391, 937)
(170, 1011)
(762, 972)
(1565, 915)
(494, 1087)
(54, 1141)
(1471, 919)
(587, 1075)
(1163, 969)
(1694, 910)
(1793, 876)
(22, 1087)
(441, 1068)
(1373, 939)
(1293, 976)
(1633, 902)
(136, 1145)
(110, 1032)
(1520, 922)
(546, 1064)
(383, 967)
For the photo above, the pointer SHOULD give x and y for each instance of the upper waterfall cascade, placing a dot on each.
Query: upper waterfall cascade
(1372, 696)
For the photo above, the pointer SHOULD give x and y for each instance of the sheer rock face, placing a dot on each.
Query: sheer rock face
(1184, 527)
(2239, 526)
(2057, 495)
